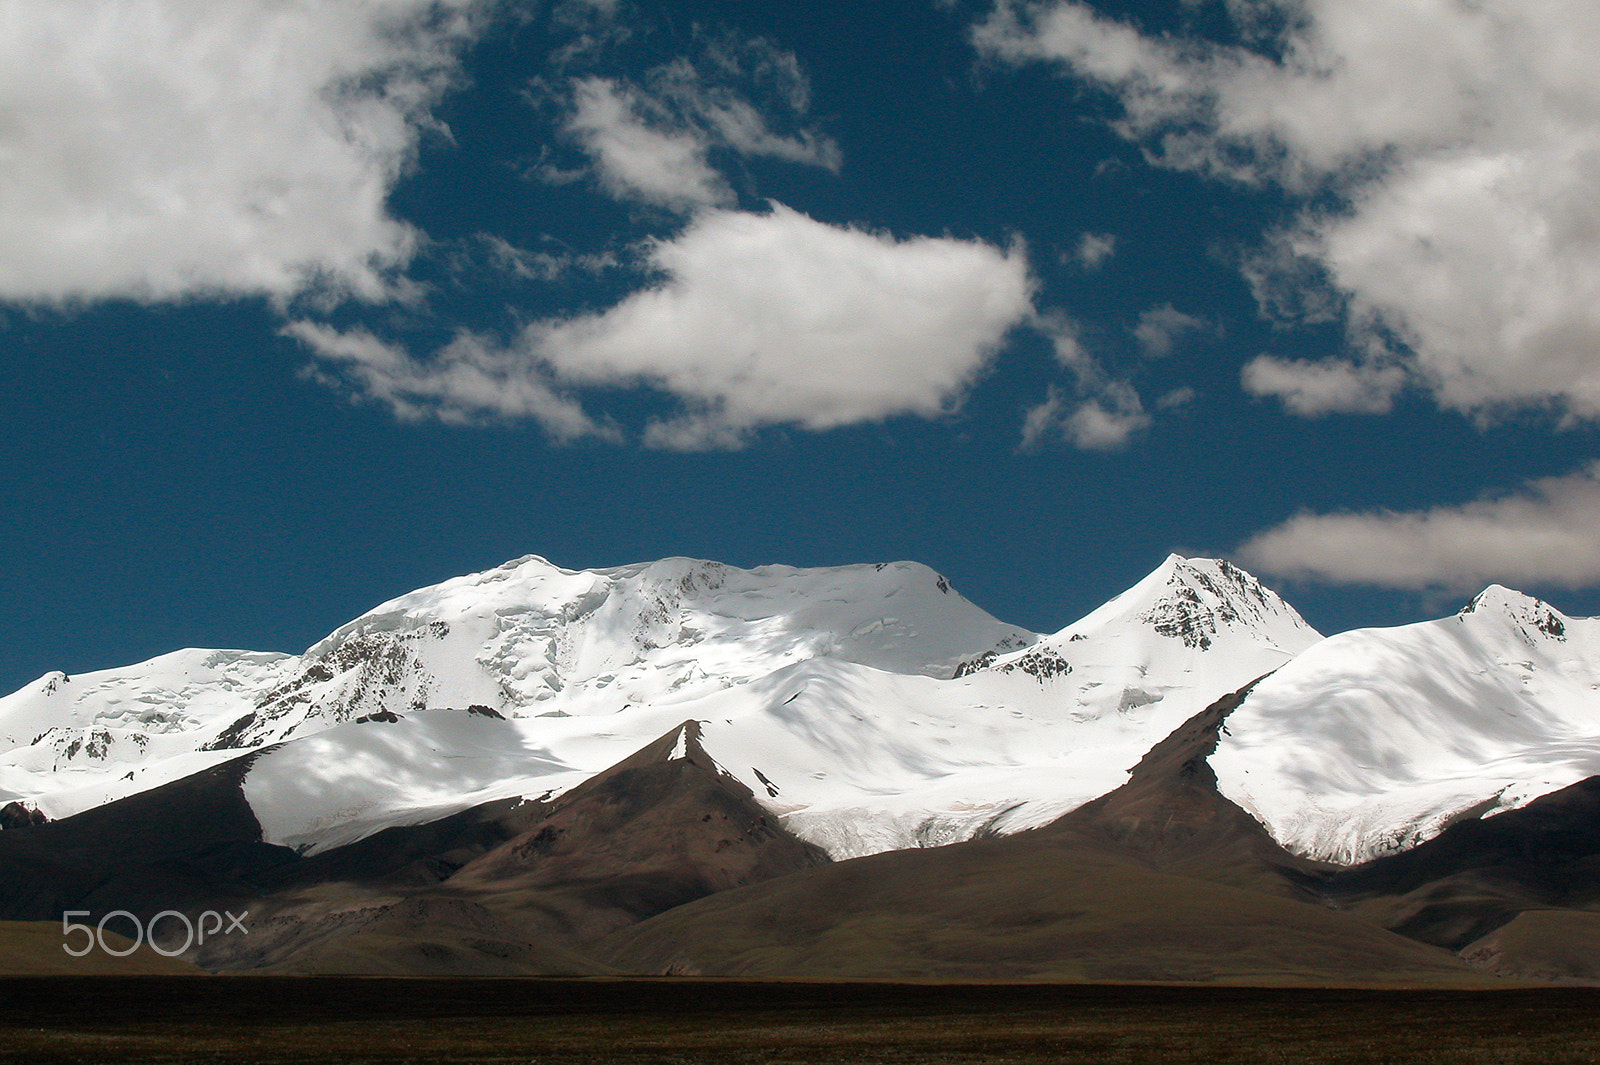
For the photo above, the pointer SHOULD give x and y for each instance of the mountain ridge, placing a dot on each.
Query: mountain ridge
(867, 707)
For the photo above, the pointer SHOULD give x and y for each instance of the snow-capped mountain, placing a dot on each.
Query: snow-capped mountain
(529, 769)
(870, 707)
(530, 637)
(1015, 739)
(68, 743)
(173, 693)
(1376, 739)
(526, 639)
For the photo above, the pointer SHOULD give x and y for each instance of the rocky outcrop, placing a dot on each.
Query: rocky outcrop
(15, 815)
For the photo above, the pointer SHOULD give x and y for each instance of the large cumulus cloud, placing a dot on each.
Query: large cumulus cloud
(172, 148)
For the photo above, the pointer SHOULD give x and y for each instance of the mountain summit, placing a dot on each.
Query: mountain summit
(1191, 627)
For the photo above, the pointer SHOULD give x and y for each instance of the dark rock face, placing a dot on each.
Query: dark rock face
(973, 665)
(382, 717)
(233, 736)
(1043, 663)
(15, 815)
(987, 658)
(1183, 614)
(192, 843)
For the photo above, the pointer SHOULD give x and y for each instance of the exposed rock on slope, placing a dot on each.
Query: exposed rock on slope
(661, 828)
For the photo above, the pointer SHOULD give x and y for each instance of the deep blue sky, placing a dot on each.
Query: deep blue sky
(177, 471)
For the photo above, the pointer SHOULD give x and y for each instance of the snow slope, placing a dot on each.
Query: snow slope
(69, 743)
(347, 782)
(525, 639)
(1376, 739)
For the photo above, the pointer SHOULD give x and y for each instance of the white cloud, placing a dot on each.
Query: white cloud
(1104, 414)
(1159, 329)
(1461, 141)
(469, 381)
(1108, 421)
(638, 155)
(1311, 388)
(1103, 422)
(1042, 421)
(652, 143)
(776, 318)
(535, 265)
(1092, 250)
(1181, 396)
(170, 148)
(1066, 343)
(755, 320)
(1546, 534)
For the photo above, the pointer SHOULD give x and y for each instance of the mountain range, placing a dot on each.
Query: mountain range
(686, 767)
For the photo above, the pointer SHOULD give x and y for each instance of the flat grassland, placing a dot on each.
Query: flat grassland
(566, 1022)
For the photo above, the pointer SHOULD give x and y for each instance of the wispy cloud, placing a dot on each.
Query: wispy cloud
(638, 152)
(1545, 534)
(1092, 250)
(1160, 328)
(1101, 413)
(652, 141)
(1312, 388)
(471, 380)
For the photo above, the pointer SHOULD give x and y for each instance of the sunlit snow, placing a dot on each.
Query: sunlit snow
(1376, 739)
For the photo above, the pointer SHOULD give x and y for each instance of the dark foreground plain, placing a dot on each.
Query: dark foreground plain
(566, 1022)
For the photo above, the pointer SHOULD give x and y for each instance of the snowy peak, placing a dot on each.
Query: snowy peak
(1196, 600)
(1193, 603)
(682, 744)
(1533, 616)
(1188, 633)
(183, 691)
(50, 683)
